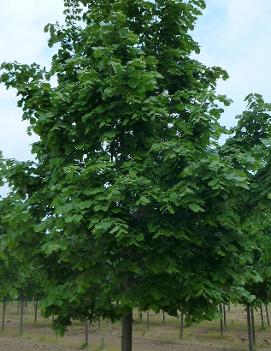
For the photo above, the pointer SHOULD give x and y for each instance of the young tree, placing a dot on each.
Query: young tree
(136, 202)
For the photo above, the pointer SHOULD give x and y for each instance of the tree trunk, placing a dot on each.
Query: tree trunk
(25, 306)
(3, 314)
(102, 347)
(221, 319)
(181, 327)
(148, 319)
(267, 315)
(249, 329)
(127, 329)
(36, 311)
(253, 328)
(225, 316)
(86, 332)
(140, 316)
(164, 318)
(21, 315)
(262, 320)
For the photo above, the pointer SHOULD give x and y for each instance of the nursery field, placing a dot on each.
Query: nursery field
(160, 334)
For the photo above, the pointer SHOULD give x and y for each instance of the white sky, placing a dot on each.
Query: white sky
(234, 34)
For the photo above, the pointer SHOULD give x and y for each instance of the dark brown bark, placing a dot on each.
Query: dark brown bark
(127, 331)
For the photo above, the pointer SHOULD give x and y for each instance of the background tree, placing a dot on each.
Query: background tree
(20, 253)
(135, 201)
(248, 148)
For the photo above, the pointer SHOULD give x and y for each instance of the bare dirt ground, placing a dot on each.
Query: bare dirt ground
(158, 336)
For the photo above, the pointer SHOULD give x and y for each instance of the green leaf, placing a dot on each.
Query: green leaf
(196, 208)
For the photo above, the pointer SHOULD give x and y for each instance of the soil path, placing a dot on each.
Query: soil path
(20, 344)
(8, 343)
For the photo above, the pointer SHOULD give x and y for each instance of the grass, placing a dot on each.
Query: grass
(159, 336)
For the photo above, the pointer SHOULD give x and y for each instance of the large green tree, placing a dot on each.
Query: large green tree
(135, 202)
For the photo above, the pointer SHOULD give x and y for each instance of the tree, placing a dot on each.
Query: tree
(248, 148)
(8, 270)
(22, 276)
(136, 202)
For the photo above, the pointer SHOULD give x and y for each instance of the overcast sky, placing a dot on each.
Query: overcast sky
(234, 34)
